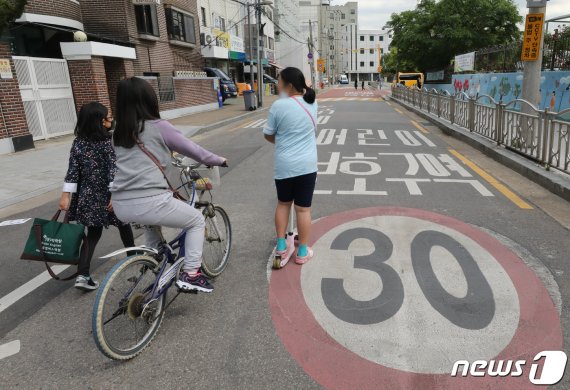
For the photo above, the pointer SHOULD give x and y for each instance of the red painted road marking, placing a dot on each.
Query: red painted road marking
(335, 367)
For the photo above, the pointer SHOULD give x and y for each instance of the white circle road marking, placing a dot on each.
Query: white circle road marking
(406, 340)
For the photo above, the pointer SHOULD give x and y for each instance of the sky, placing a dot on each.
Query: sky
(373, 14)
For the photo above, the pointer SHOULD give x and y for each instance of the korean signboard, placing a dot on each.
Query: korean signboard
(532, 37)
(5, 69)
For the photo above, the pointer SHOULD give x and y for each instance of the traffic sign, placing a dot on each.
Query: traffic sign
(396, 296)
(310, 56)
(321, 65)
(532, 37)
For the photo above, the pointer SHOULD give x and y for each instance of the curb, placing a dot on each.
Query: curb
(553, 181)
(228, 121)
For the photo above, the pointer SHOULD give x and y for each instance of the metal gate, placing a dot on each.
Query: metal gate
(46, 92)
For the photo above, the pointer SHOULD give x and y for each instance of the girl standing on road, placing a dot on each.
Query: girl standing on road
(91, 169)
(140, 190)
(291, 126)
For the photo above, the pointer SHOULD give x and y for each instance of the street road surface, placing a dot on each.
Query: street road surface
(426, 252)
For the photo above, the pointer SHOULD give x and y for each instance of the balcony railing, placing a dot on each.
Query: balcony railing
(540, 135)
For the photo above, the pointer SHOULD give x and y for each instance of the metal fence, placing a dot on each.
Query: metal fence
(540, 135)
(507, 58)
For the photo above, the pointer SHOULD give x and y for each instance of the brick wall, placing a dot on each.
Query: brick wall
(61, 8)
(116, 69)
(188, 92)
(13, 119)
(88, 81)
(157, 55)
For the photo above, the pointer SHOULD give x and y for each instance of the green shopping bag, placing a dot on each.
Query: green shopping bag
(55, 242)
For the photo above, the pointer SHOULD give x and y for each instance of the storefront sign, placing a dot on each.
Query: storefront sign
(223, 39)
(532, 37)
(435, 76)
(465, 62)
(236, 44)
(5, 69)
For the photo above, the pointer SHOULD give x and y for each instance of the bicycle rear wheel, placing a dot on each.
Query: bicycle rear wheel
(123, 322)
(218, 241)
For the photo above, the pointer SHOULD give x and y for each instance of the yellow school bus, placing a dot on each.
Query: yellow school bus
(411, 79)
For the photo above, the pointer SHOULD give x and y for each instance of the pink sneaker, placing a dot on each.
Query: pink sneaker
(303, 260)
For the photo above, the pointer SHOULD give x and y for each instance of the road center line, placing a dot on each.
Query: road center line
(492, 181)
(9, 349)
(419, 127)
(398, 110)
(19, 293)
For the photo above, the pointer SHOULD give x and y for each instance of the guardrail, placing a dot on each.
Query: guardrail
(540, 135)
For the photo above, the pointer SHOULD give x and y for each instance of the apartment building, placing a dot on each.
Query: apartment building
(64, 53)
(288, 39)
(222, 35)
(371, 45)
(338, 38)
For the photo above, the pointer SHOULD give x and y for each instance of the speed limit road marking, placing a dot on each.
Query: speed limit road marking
(395, 296)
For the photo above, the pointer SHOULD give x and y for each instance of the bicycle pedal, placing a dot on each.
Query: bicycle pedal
(183, 291)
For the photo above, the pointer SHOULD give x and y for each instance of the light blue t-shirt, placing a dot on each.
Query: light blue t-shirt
(295, 138)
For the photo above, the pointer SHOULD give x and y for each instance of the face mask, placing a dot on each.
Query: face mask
(283, 95)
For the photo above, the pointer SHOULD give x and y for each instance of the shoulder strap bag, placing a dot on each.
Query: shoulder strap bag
(175, 192)
(307, 111)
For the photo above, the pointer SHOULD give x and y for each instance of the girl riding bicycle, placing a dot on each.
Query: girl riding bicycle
(140, 191)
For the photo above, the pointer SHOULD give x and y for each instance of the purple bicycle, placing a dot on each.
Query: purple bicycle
(132, 299)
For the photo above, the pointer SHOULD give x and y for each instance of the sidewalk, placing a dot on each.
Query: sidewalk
(35, 172)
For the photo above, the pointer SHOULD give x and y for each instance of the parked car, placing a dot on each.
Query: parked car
(229, 89)
(343, 79)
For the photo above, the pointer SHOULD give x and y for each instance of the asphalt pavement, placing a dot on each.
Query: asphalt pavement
(426, 253)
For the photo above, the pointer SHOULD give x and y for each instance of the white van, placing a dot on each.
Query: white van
(343, 79)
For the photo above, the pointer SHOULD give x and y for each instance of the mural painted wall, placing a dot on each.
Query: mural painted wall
(554, 87)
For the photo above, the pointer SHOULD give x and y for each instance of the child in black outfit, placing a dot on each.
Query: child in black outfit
(91, 169)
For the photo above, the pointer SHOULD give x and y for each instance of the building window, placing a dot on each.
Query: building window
(271, 44)
(352, 11)
(362, 38)
(147, 21)
(381, 51)
(371, 63)
(362, 64)
(331, 17)
(180, 26)
(371, 51)
(342, 16)
(352, 21)
(204, 23)
(223, 24)
(381, 38)
(371, 38)
(332, 47)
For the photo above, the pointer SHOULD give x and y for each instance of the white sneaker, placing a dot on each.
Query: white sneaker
(86, 283)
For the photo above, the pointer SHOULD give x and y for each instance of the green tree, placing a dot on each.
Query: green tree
(429, 36)
(10, 10)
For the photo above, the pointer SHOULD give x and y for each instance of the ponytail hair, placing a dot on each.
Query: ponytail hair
(296, 78)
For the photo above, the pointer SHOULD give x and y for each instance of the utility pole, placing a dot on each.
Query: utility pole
(259, 64)
(532, 69)
(250, 34)
(312, 55)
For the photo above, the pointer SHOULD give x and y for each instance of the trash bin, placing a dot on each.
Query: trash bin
(249, 99)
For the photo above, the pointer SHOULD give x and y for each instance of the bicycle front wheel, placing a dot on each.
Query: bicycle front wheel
(124, 320)
(218, 241)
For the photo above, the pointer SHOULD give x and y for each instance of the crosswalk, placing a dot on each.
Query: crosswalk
(341, 99)
(321, 120)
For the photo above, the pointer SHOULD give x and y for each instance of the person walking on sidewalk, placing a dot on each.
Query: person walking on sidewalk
(91, 169)
(363, 85)
(140, 192)
(356, 85)
(291, 126)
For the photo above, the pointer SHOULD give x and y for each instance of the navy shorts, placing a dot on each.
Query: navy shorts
(298, 189)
